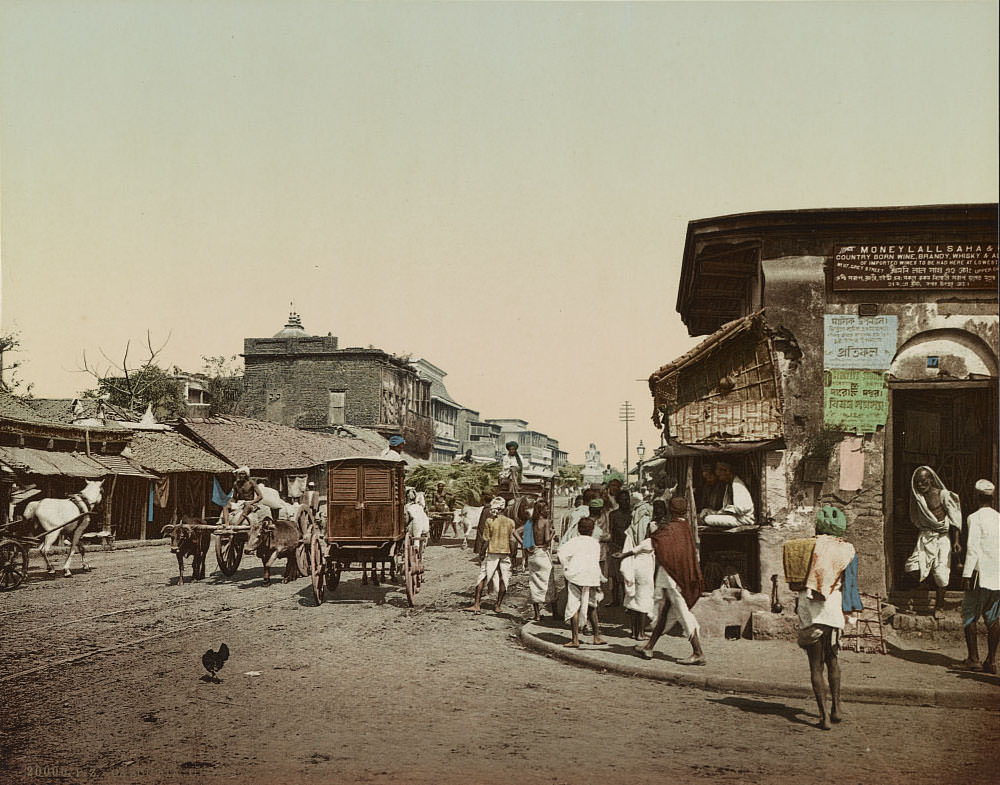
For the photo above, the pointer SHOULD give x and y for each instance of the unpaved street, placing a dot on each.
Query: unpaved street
(101, 681)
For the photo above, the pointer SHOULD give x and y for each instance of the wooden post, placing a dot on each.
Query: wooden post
(689, 495)
(107, 506)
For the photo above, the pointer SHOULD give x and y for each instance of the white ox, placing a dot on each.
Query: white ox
(54, 516)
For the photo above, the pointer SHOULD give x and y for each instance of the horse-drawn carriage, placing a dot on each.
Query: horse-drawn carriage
(366, 527)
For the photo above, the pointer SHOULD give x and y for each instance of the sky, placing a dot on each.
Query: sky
(501, 188)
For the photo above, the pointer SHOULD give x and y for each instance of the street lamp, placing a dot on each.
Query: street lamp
(641, 450)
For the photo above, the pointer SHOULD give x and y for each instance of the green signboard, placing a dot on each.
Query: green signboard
(855, 400)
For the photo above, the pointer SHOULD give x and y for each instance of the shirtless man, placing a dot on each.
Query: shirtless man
(535, 536)
(244, 490)
(937, 514)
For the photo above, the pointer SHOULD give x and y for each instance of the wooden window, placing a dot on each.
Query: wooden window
(335, 412)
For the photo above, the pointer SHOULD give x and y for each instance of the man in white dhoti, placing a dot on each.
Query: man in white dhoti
(638, 564)
(580, 558)
(497, 533)
(418, 525)
(937, 514)
(534, 535)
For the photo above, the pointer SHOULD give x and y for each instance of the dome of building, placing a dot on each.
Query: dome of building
(293, 329)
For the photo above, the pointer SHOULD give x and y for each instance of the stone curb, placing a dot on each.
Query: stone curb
(689, 677)
(117, 545)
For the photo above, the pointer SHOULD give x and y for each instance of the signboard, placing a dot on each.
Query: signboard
(855, 400)
(949, 265)
(851, 341)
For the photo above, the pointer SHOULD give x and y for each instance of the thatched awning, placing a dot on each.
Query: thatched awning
(726, 389)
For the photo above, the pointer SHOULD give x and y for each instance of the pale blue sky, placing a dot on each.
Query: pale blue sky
(489, 185)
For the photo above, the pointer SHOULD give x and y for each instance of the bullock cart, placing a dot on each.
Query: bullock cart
(366, 527)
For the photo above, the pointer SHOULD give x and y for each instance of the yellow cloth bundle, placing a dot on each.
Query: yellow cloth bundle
(797, 558)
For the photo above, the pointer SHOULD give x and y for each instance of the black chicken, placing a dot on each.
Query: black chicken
(214, 660)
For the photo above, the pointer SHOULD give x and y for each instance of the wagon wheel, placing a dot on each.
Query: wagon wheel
(333, 569)
(228, 553)
(305, 521)
(318, 569)
(13, 564)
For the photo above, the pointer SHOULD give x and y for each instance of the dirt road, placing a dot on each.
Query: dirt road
(101, 681)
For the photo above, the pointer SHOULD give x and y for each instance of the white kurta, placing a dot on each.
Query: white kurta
(638, 572)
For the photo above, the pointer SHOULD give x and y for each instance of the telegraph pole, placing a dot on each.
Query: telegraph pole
(626, 414)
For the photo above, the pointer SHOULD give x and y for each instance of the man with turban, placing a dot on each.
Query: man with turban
(511, 467)
(394, 451)
(245, 496)
(937, 514)
(678, 583)
(981, 578)
(497, 533)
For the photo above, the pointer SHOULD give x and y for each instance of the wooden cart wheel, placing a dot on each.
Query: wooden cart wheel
(305, 520)
(13, 564)
(409, 570)
(333, 569)
(228, 553)
(318, 569)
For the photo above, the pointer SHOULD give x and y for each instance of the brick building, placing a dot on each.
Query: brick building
(845, 348)
(445, 412)
(306, 381)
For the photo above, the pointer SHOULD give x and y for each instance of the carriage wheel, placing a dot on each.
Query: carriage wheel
(228, 553)
(333, 569)
(410, 578)
(318, 569)
(13, 564)
(305, 521)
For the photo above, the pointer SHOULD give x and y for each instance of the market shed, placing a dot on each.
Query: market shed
(185, 474)
(721, 401)
(56, 457)
(285, 458)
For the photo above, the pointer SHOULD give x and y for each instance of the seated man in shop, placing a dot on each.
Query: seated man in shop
(737, 507)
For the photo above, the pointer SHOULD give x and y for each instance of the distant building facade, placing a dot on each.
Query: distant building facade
(538, 450)
(306, 381)
(445, 413)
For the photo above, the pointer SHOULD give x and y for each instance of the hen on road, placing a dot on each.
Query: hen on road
(214, 660)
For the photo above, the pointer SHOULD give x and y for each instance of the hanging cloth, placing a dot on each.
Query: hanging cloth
(296, 485)
(162, 490)
(219, 497)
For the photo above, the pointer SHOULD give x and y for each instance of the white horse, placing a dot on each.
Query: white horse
(54, 514)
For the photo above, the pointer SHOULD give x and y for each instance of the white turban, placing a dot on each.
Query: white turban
(498, 504)
(243, 470)
(985, 486)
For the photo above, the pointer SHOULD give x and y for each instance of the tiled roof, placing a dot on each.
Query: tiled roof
(166, 452)
(12, 408)
(61, 410)
(268, 446)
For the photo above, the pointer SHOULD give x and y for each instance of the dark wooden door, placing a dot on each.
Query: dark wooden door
(344, 502)
(954, 431)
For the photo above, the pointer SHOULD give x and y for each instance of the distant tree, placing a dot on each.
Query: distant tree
(136, 386)
(10, 381)
(225, 383)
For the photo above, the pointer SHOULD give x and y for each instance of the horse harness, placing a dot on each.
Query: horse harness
(82, 503)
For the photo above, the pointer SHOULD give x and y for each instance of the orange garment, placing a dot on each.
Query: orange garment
(830, 558)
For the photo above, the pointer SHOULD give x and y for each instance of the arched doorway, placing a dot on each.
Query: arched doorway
(943, 414)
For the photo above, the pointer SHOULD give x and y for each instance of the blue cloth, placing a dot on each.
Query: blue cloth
(395, 441)
(219, 498)
(850, 598)
(981, 602)
(149, 507)
(528, 540)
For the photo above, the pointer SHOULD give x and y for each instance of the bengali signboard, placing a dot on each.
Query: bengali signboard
(949, 265)
(855, 400)
(851, 341)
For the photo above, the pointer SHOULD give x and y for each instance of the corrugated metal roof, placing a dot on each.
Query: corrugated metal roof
(51, 463)
(119, 464)
(268, 446)
(29, 460)
(167, 452)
